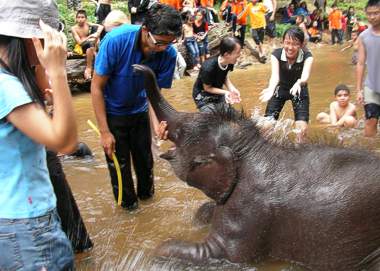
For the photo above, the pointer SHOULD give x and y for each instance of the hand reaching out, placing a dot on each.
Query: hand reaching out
(265, 95)
(296, 89)
(233, 96)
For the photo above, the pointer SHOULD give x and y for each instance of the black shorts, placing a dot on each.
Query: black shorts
(258, 35)
(372, 111)
(270, 29)
(86, 45)
(300, 104)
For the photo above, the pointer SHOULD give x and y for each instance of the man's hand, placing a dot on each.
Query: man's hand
(108, 142)
(162, 131)
(360, 97)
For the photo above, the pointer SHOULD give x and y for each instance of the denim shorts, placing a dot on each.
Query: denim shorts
(34, 243)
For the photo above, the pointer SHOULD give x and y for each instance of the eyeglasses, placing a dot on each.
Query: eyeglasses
(159, 43)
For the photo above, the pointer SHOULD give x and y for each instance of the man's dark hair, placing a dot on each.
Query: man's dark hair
(227, 45)
(341, 87)
(334, 5)
(163, 20)
(295, 33)
(372, 3)
(81, 11)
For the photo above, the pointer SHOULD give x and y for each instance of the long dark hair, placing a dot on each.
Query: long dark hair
(18, 65)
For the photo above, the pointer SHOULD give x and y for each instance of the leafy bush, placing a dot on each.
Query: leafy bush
(281, 28)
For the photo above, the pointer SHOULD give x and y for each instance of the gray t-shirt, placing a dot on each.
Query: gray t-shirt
(371, 43)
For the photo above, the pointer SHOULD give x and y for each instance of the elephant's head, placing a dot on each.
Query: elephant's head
(207, 145)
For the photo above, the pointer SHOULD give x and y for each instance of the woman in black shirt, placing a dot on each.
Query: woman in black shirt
(208, 89)
(291, 67)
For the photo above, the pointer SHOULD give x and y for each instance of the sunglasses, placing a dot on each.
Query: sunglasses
(160, 43)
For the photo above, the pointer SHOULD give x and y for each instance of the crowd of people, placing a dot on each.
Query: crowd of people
(33, 52)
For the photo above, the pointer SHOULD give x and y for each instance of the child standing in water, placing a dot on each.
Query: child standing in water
(342, 111)
(353, 43)
(291, 66)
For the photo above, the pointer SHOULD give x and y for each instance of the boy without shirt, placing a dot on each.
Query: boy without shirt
(84, 35)
(342, 111)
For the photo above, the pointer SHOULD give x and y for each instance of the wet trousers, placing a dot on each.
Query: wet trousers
(133, 142)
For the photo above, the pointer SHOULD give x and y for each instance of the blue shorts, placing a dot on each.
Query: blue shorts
(34, 243)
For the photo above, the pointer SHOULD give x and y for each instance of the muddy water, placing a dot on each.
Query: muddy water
(125, 241)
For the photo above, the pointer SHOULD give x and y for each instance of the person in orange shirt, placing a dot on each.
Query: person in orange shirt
(177, 4)
(238, 8)
(256, 12)
(227, 14)
(314, 33)
(335, 24)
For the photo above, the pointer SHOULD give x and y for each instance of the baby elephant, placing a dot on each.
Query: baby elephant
(318, 206)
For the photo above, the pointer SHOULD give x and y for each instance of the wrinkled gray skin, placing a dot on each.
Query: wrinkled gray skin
(318, 206)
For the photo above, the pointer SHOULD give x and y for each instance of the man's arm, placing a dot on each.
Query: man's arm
(97, 86)
(214, 90)
(274, 3)
(76, 36)
(360, 68)
(333, 115)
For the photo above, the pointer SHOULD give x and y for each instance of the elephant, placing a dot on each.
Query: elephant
(314, 205)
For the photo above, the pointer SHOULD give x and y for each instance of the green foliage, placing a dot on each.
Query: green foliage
(281, 28)
(358, 5)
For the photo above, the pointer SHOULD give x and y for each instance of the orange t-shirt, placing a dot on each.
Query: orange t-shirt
(207, 3)
(237, 9)
(313, 32)
(256, 14)
(335, 19)
(177, 4)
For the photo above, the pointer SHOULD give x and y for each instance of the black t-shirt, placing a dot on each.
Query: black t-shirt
(210, 74)
(289, 74)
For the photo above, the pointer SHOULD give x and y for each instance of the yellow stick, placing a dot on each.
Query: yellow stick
(117, 166)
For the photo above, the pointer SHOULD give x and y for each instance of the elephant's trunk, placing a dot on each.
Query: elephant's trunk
(163, 110)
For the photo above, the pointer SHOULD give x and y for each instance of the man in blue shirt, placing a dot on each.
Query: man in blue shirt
(120, 101)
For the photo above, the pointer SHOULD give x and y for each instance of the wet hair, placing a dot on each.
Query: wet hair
(18, 65)
(163, 20)
(294, 33)
(372, 3)
(81, 11)
(341, 87)
(227, 45)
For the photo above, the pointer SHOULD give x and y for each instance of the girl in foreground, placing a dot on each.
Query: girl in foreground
(31, 237)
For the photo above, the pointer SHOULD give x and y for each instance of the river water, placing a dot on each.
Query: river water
(125, 241)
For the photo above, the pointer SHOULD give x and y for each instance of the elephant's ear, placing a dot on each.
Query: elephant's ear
(214, 174)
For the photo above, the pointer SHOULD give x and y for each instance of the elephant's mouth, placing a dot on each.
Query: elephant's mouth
(170, 154)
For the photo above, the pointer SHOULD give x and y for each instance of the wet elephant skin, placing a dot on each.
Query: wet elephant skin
(314, 205)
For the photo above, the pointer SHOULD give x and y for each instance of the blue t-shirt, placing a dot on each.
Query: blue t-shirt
(124, 93)
(25, 187)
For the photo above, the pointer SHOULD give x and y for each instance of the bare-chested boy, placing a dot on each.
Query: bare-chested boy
(86, 35)
(342, 111)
